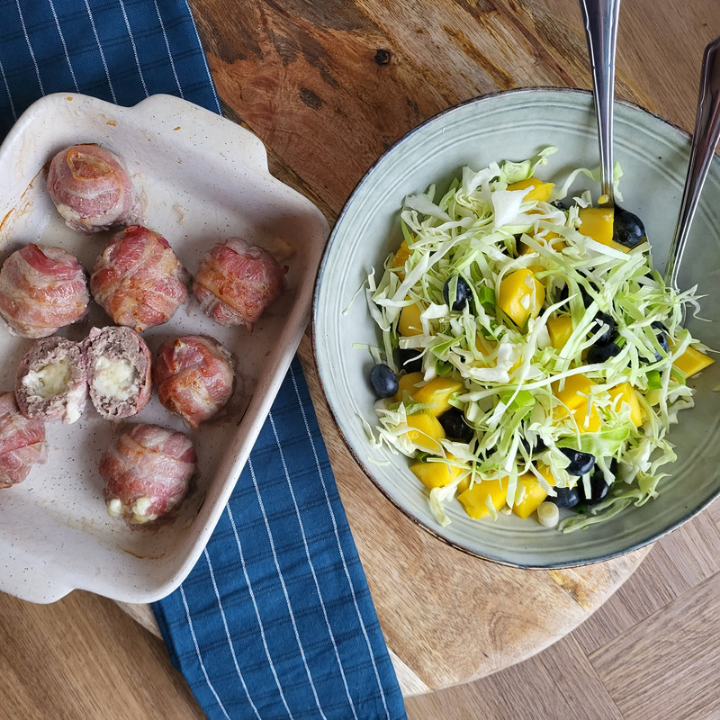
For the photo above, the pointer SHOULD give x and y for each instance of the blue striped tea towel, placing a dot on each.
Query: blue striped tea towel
(276, 619)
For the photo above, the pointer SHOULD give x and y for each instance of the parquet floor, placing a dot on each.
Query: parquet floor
(652, 652)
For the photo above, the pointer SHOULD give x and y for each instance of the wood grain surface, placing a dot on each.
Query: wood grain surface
(328, 85)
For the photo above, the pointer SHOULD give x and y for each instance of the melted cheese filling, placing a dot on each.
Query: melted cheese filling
(49, 380)
(114, 378)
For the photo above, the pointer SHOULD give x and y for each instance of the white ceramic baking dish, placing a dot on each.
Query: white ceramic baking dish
(203, 179)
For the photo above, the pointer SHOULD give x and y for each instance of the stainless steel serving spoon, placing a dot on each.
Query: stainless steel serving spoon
(705, 139)
(601, 23)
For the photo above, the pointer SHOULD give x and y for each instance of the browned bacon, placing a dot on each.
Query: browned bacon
(237, 281)
(138, 279)
(194, 376)
(22, 442)
(42, 289)
(91, 189)
(147, 472)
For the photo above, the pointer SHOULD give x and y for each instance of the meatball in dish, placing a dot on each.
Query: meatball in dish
(138, 280)
(42, 289)
(147, 473)
(22, 442)
(91, 189)
(51, 382)
(194, 376)
(119, 371)
(236, 281)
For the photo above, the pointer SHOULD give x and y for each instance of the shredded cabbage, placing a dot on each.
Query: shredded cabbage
(481, 230)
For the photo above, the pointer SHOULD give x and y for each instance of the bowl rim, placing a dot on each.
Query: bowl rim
(662, 532)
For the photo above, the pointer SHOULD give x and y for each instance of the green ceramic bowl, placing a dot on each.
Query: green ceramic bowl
(513, 126)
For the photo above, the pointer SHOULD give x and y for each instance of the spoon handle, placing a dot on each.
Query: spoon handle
(601, 23)
(705, 139)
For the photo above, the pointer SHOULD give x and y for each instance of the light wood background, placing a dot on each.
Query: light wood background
(652, 652)
(328, 85)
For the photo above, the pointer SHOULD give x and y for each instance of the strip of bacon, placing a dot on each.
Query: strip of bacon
(147, 472)
(194, 376)
(42, 289)
(138, 279)
(237, 281)
(22, 442)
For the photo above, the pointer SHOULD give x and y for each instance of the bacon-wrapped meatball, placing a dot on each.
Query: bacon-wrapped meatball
(42, 289)
(147, 472)
(236, 281)
(138, 279)
(91, 189)
(119, 366)
(51, 382)
(22, 442)
(194, 376)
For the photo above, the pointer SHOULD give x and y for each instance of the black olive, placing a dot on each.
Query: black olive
(562, 204)
(586, 297)
(410, 360)
(600, 352)
(604, 319)
(662, 339)
(599, 489)
(628, 229)
(580, 462)
(463, 293)
(537, 447)
(566, 497)
(384, 380)
(453, 422)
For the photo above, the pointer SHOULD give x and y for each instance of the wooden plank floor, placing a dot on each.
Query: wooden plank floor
(651, 652)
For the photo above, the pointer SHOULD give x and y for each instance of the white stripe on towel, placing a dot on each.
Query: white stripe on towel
(227, 633)
(197, 650)
(32, 53)
(337, 537)
(102, 54)
(134, 49)
(204, 57)
(312, 568)
(7, 89)
(284, 587)
(167, 46)
(254, 602)
(62, 40)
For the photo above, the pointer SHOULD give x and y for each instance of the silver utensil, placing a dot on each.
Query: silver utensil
(705, 139)
(601, 23)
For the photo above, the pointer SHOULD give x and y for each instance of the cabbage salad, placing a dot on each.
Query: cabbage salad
(532, 360)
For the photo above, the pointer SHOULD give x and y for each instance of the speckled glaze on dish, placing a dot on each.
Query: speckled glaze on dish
(514, 126)
(202, 179)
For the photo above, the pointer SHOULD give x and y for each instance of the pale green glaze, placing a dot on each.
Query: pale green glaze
(513, 126)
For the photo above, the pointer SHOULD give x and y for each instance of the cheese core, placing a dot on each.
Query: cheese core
(49, 380)
(114, 378)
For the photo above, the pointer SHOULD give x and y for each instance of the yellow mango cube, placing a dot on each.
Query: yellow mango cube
(521, 296)
(560, 328)
(409, 323)
(587, 422)
(426, 432)
(540, 191)
(474, 499)
(434, 474)
(692, 361)
(407, 382)
(574, 392)
(528, 496)
(597, 223)
(400, 258)
(437, 394)
(625, 393)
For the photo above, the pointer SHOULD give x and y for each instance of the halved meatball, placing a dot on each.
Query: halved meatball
(51, 382)
(119, 366)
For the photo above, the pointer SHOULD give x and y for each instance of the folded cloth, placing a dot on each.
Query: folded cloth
(276, 619)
